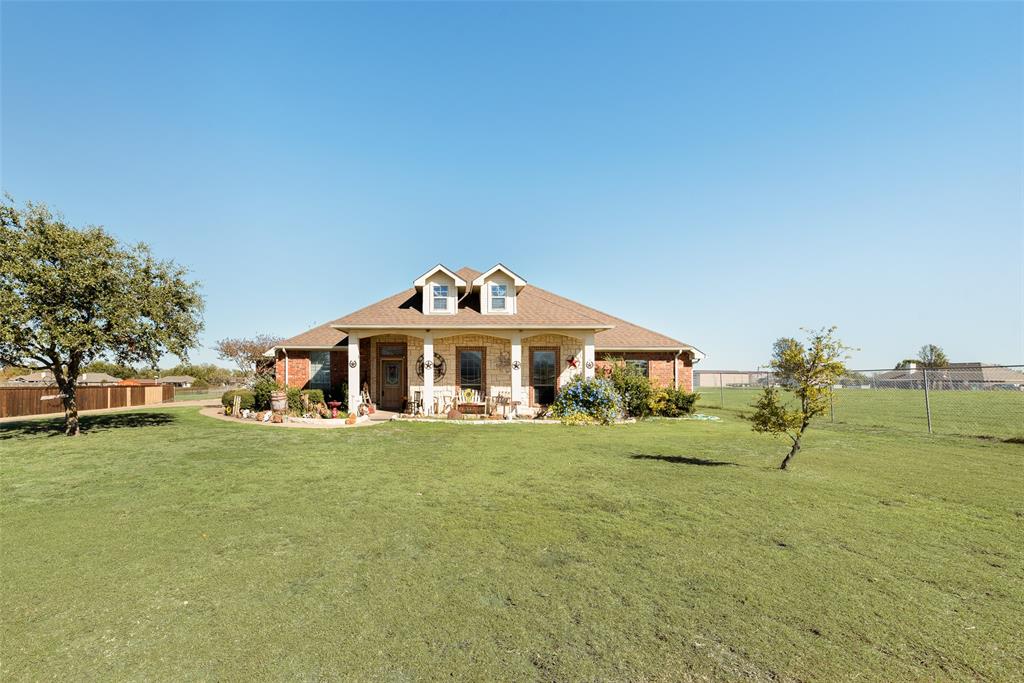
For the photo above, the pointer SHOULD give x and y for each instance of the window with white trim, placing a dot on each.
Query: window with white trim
(498, 293)
(440, 296)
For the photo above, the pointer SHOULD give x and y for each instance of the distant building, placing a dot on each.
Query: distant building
(44, 378)
(183, 381)
(955, 376)
(728, 378)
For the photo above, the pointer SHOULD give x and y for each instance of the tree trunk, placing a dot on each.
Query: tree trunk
(70, 411)
(793, 451)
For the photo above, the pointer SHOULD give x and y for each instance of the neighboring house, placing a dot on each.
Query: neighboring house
(490, 333)
(954, 376)
(45, 378)
(183, 381)
(39, 378)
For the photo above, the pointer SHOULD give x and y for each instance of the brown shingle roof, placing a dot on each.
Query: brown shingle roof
(534, 307)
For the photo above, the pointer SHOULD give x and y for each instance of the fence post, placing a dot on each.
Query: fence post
(721, 390)
(927, 401)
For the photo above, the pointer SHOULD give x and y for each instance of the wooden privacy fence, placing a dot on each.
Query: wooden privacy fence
(18, 401)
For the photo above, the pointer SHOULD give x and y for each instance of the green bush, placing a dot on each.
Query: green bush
(262, 388)
(315, 396)
(632, 385)
(673, 402)
(294, 399)
(248, 400)
(200, 384)
(585, 401)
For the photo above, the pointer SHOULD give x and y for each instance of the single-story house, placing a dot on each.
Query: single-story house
(183, 381)
(45, 378)
(459, 333)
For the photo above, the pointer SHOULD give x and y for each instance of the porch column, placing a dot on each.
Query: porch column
(428, 373)
(353, 373)
(588, 355)
(517, 368)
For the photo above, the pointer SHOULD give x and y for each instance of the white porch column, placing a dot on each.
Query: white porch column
(588, 355)
(428, 373)
(517, 368)
(353, 373)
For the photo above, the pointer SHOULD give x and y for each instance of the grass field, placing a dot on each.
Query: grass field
(969, 413)
(164, 545)
(213, 394)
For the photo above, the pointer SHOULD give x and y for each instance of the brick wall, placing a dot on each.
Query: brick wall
(659, 366)
(298, 368)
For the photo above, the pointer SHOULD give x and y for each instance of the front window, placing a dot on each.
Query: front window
(440, 297)
(498, 297)
(320, 370)
(471, 369)
(640, 366)
(543, 375)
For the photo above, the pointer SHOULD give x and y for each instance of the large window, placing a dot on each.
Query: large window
(498, 293)
(544, 375)
(640, 365)
(471, 369)
(440, 293)
(320, 369)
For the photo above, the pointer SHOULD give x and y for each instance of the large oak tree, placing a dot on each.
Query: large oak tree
(70, 296)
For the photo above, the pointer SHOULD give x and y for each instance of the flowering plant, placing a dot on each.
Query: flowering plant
(585, 401)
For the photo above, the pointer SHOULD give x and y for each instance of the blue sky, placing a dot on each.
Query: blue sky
(724, 173)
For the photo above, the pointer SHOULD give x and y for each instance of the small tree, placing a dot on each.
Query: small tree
(69, 297)
(807, 372)
(247, 353)
(932, 356)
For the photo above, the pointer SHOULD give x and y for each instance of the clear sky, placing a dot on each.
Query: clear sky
(723, 173)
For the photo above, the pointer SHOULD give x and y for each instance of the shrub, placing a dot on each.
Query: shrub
(200, 384)
(262, 388)
(673, 402)
(584, 401)
(248, 400)
(294, 399)
(315, 396)
(632, 385)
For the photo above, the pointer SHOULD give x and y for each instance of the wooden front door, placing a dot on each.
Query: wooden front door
(392, 383)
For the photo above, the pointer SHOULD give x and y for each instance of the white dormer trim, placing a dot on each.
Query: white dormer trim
(517, 281)
(421, 281)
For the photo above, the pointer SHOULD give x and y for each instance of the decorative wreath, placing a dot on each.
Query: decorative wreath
(440, 367)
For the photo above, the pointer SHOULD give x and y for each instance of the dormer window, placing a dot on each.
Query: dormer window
(498, 293)
(440, 293)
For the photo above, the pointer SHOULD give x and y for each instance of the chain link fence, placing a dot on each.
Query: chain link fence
(964, 398)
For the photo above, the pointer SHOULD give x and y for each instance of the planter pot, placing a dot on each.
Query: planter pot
(279, 400)
(351, 419)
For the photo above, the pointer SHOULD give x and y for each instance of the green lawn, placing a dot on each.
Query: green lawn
(213, 394)
(969, 413)
(163, 545)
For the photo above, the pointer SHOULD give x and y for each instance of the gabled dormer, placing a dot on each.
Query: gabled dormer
(440, 288)
(498, 288)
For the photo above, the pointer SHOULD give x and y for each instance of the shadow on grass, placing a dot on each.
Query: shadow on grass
(88, 424)
(683, 460)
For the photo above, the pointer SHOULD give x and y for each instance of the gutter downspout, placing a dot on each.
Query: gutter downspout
(285, 351)
(675, 370)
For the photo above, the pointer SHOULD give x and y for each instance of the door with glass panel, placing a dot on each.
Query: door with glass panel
(544, 375)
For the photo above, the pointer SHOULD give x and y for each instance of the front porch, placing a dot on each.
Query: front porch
(434, 372)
